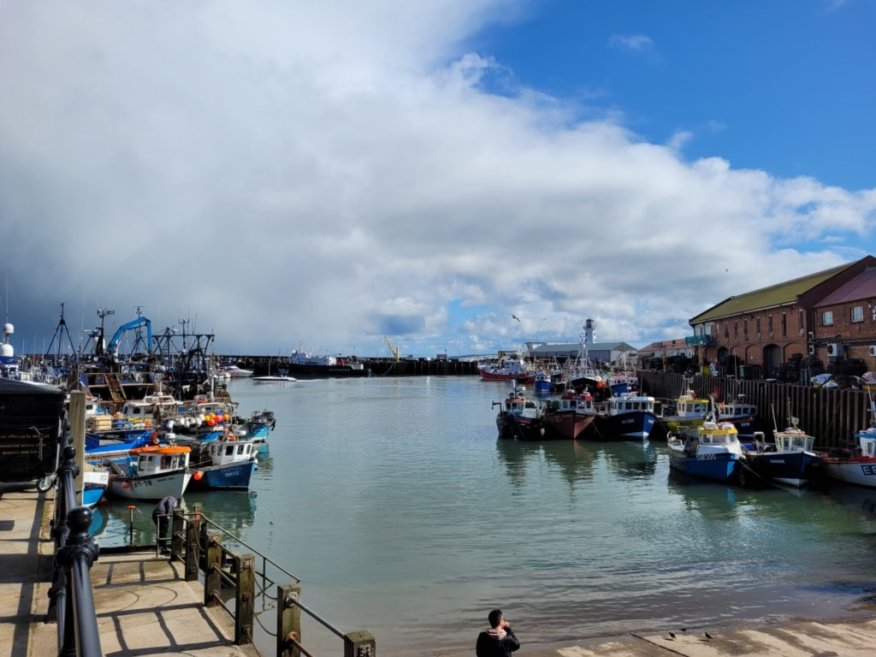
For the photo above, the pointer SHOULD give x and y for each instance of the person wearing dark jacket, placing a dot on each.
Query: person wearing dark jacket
(161, 516)
(499, 640)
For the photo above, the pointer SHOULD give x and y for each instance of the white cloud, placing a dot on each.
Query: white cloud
(323, 176)
(632, 42)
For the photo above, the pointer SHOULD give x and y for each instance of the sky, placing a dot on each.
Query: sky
(455, 176)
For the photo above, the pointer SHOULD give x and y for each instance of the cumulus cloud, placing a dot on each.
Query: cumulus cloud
(325, 176)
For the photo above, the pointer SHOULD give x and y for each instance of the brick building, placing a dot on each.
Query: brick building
(754, 333)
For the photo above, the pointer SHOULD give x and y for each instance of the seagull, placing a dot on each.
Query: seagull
(708, 636)
(672, 635)
(515, 317)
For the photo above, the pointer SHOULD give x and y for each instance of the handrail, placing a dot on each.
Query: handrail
(204, 553)
(75, 552)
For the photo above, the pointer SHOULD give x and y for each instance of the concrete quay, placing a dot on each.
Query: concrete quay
(143, 604)
(145, 607)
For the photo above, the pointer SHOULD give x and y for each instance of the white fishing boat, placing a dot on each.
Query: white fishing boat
(153, 473)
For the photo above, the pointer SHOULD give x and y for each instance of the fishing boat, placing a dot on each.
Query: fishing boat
(854, 465)
(711, 450)
(690, 412)
(153, 472)
(568, 416)
(789, 460)
(225, 464)
(509, 367)
(743, 415)
(518, 416)
(306, 365)
(628, 416)
(94, 484)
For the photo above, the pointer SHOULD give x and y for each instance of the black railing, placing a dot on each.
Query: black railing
(71, 602)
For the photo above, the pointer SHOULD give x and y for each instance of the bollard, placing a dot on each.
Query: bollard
(213, 571)
(131, 508)
(288, 620)
(244, 614)
(359, 644)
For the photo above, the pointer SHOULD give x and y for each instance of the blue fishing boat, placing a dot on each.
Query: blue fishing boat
(712, 451)
(625, 417)
(225, 464)
(95, 483)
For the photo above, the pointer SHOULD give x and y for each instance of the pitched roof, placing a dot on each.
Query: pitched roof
(768, 297)
(862, 286)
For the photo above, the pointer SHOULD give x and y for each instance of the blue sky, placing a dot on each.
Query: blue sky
(782, 85)
(319, 177)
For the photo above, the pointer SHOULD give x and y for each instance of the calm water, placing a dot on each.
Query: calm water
(394, 502)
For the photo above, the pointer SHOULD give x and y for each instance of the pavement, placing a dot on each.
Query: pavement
(143, 604)
(145, 607)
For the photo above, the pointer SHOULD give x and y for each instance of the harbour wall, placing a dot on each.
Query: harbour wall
(377, 366)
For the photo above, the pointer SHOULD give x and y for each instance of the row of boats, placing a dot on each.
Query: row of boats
(158, 447)
(722, 442)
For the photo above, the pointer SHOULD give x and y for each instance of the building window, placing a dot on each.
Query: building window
(757, 326)
(857, 314)
(827, 318)
(727, 330)
(745, 329)
(784, 325)
(800, 326)
(736, 331)
(770, 324)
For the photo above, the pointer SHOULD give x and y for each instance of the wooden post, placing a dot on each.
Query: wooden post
(213, 570)
(359, 644)
(244, 615)
(77, 432)
(193, 549)
(288, 620)
(176, 541)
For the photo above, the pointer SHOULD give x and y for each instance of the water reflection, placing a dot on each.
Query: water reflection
(129, 522)
(575, 459)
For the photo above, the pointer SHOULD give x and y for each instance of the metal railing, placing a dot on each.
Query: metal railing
(250, 590)
(71, 602)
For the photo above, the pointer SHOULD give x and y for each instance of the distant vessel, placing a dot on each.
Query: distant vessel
(303, 364)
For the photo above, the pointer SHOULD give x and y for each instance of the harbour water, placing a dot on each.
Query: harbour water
(401, 512)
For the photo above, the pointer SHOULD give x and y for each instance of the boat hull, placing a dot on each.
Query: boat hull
(717, 467)
(232, 476)
(858, 471)
(635, 425)
(566, 425)
(150, 487)
(789, 468)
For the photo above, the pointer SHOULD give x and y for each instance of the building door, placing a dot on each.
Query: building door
(772, 360)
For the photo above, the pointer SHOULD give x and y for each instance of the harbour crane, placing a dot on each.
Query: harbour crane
(392, 350)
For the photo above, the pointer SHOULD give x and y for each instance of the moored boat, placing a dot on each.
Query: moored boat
(518, 416)
(854, 465)
(509, 367)
(568, 416)
(789, 460)
(625, 417)
(153, 473)
(711, 451)
(225, 464)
